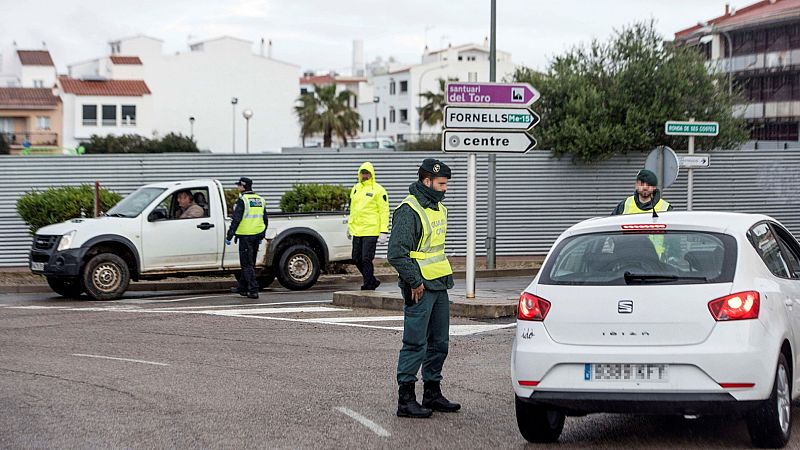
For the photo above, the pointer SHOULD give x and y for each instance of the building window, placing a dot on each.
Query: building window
(471, 58)
(38, 83)
(303, 91)
(129, 114)
(403, 116)
(392, 116)
(392, 88)
(369, 125)
(460, 58)
(109, 115)
(403, 87)
(774, 131)
(90, 115)
(42, 122)
(384, 123)
(362, 125)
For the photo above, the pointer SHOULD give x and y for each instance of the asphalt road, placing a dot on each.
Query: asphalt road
(178, 370)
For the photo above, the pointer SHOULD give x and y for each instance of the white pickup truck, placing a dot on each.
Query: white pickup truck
(141, 238)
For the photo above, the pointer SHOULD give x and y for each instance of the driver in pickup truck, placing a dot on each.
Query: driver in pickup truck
(188, 208)
(249, 225)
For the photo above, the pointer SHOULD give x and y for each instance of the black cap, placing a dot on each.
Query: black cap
(647, 176)
(436, 167)
(246, 182)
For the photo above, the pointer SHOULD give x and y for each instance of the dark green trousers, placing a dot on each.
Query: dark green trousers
(426, 337)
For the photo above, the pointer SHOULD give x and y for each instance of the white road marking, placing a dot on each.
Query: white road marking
(357, 319)
(465, 330)
(377, 429)
(37, 307)
(144, 301)
(240, 306)
(120, 359)
(308, 309)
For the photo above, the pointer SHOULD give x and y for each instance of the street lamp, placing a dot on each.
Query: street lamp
(247, 114)
(191, 127)
(234, 101)
(709, 31)
(419, 96)
(375, 100)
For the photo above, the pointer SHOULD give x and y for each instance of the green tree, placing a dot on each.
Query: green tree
(432, 112)
(328, 113)
(614, 97)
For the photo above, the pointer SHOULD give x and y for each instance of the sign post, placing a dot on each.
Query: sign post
(486, 118)
(691, 129)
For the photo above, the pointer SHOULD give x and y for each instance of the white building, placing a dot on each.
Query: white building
(193, 92)
(105, 107)
(27, 69)
(397, 89)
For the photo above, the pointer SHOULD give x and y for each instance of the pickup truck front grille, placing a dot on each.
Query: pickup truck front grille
(44, 242)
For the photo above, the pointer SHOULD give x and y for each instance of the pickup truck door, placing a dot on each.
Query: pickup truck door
(172, 242)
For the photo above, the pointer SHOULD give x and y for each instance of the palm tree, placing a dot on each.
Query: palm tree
(328, 113)
(432, 113)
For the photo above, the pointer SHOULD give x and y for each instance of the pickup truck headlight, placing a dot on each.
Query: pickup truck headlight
(66, 241)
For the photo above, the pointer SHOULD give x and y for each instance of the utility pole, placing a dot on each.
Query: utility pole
(491, 224)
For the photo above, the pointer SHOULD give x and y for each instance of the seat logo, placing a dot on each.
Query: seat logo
(625, 307)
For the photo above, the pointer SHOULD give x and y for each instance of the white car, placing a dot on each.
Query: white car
(689, 313)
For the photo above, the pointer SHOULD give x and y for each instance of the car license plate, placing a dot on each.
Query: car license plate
(626, 372)
(37, 266)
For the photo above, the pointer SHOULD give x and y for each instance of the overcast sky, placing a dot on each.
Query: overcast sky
(318, 34)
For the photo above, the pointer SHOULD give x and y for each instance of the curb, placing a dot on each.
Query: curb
(459, 307)
(219, 285)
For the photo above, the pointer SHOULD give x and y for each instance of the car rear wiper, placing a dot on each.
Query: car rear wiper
(657, 277)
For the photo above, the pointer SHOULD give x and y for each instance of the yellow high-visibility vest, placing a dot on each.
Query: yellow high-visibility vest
(661, 206)
(430, 254)
(253, 219)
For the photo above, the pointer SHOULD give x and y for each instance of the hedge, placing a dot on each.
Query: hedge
(56, 205)
(133, 143)
(315, 197)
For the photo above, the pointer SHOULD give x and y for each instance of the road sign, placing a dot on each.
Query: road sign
(677, 128)
(663, 162)
(476, 141)
(696, 161)
(462, 117)
(514, 94)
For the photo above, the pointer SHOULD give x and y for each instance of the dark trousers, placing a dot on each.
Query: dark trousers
(363, 254)
(426, 336)
(248, 252)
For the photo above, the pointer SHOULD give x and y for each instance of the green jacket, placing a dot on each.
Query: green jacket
(645, 206)
(406, 233)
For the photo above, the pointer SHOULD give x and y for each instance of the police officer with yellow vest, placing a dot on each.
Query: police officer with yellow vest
(249, 225)
(646, 198)
(368, 223)
(416, 250)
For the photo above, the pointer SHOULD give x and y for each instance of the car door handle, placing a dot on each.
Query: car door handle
(205, 226)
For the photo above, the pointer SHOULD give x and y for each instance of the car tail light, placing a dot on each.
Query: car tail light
(532, 307)
(528, 383)
(737, 385)
(739, 306)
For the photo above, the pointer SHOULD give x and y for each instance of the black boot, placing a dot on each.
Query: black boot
(433, 399)
(407, 405)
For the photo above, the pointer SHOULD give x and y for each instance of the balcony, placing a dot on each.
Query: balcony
(758, 62)
(35, 138)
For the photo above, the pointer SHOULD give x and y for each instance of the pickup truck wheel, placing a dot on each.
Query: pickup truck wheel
(66, 287)
(298, 267)
(106, 277)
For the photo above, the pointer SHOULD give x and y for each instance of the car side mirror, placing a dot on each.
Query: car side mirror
(156, 215)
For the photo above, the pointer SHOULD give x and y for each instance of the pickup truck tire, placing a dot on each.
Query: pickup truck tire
(106, 277)
(298, 267)
(66, 287)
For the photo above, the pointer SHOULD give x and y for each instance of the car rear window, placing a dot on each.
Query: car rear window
(612, 259)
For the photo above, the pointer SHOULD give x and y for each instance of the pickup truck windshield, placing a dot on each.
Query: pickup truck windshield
(135, 203)
(612, 259)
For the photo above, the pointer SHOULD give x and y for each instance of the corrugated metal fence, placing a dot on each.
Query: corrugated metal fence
(537, 196)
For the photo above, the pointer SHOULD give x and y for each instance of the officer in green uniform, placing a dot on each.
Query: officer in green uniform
(249, 224)
(646, 197)
(416, 251)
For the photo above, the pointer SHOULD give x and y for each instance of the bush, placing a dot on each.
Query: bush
(56, 205)
(133, 143)
(424, 145)
(315, 197)
(231, 195)
(4, 148)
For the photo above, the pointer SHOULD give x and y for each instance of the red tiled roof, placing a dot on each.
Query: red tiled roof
(131, 60)
(110, 88)
(27, 98)
(757, 12)
(35, 58)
